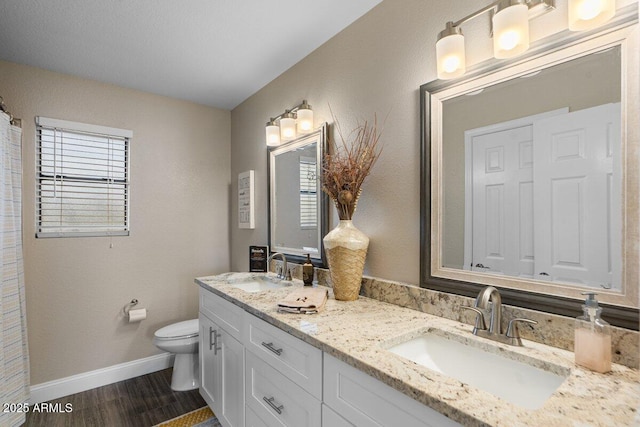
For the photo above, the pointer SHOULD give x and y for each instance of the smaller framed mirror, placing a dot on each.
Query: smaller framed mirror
(298, 208)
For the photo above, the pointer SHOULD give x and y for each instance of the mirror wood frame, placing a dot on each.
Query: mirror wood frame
(320, 136)
(622, 31)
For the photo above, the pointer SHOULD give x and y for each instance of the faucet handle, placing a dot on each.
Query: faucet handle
(480, 325)
(512, 330)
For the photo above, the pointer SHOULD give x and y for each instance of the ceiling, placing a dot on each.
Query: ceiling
(213, 52)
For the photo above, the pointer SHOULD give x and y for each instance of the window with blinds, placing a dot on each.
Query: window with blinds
(308, 193)
(82, 179)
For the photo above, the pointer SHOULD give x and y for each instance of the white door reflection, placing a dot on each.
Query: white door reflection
(543, 197)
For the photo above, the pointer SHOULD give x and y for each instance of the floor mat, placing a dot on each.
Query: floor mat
(202, 417)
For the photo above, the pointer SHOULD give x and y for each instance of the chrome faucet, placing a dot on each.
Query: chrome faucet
(491, 295)
(281, 272)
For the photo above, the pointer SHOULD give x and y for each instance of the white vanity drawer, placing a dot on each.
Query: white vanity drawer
(226, 314)
(367, 402)
(276, 400)
(295, 359)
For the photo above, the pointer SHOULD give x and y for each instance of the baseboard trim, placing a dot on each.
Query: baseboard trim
(92, 379)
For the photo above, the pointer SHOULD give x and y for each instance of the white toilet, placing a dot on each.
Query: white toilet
(182, 339)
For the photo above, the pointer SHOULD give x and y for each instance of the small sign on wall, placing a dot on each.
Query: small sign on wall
(258, 258)
(246, 217)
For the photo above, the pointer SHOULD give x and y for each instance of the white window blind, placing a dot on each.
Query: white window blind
(308, 193)
(82, 179)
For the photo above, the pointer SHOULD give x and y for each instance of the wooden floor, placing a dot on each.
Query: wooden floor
(143, 401)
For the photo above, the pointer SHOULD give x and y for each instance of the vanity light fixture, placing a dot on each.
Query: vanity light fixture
(286, 126)
(510, 29)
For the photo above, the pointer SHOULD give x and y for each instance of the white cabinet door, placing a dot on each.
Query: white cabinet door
(222, 373)
(209, 363)
(231, 357)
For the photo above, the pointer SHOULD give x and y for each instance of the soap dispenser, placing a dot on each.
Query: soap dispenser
(307, 272)
(592, 337)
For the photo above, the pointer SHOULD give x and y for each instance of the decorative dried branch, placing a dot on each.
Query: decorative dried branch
(348, 163)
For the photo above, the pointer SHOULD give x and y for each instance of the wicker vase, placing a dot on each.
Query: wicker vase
(346, 249)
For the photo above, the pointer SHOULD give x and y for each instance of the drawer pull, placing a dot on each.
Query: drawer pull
(269, 346)
(269, 401)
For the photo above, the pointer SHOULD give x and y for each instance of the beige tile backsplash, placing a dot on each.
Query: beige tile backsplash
(553, 330)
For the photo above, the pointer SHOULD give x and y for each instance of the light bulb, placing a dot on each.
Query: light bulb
(587, 14)
(450, 64)
(273, 134)
(508, 40)
(305, 118)
(589, 9)
(288, 126)
(450, 54)
(510, 31)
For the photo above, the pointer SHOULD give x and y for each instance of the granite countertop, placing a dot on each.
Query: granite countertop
(359, 332)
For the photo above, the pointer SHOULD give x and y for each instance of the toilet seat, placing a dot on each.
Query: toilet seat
(180, 330)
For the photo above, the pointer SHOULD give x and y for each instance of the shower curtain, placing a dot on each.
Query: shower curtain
(14, 355)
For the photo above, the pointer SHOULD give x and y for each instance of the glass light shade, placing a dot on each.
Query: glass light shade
(287, 128)
(450, 56)
(273, 135)
(511, 31)
(305, 120)
(587, 14)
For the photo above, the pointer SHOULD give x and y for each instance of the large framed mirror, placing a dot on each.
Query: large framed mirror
(298, 208)
(530, 176)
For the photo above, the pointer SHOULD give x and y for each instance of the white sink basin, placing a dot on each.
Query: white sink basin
(259, 283)
(511, 380)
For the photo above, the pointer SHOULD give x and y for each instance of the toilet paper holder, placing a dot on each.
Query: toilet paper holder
(129, 306)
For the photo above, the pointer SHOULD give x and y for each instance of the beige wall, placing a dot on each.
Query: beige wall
(376, 65)
(76, 287)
